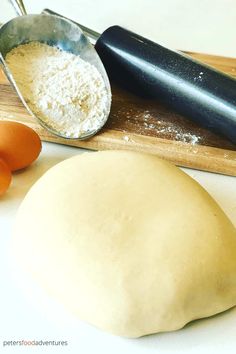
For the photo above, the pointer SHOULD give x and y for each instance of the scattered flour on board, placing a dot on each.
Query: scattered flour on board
(67, 93)
(162, 128)
(169, 128)
(126, 138)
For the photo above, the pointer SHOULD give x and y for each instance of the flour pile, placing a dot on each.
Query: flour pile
(68, 94)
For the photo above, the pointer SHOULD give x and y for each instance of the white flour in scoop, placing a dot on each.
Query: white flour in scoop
(68, 94)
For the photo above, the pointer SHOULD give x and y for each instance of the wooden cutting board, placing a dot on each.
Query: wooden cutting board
(143, 125)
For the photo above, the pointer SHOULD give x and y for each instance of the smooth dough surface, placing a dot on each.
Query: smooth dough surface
(127, 242)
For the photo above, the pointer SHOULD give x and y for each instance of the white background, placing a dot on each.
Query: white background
(205, 26)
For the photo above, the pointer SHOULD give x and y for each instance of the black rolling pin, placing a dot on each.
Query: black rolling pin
(191, 88)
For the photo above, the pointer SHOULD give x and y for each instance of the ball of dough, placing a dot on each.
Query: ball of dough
(128, 242)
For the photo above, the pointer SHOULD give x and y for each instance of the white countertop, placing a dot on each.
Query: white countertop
(206, 26)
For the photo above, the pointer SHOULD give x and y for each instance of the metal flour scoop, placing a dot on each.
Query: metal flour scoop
(54, 31)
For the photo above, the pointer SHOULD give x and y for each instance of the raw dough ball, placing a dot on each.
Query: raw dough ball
(128, 242)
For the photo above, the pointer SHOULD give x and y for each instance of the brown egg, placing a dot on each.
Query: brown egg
(19, 145)
(5, 176)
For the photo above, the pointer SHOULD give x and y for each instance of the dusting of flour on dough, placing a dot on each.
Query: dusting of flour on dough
(67, 93)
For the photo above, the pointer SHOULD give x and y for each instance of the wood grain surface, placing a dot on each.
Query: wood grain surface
(144, 125)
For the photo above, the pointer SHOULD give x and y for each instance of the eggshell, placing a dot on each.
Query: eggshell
(19, 145)
(5, 177)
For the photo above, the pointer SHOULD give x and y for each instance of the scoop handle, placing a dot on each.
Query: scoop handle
(191, 88)
(19, 7)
